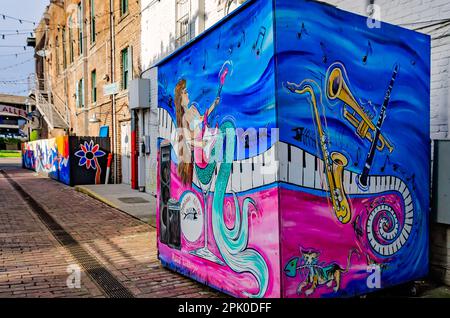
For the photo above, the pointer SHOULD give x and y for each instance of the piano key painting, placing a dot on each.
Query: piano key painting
(284, 168)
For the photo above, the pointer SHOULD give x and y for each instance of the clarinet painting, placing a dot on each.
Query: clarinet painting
(373, 147)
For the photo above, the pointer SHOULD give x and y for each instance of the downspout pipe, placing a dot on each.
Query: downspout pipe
(113, 78)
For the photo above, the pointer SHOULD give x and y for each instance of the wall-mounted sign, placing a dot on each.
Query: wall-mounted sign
(111, 89)
(8, 110)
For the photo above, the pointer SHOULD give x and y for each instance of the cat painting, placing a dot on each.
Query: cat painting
(318, 274)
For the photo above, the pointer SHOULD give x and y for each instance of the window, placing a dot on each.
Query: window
(123, 7)
(182, 27)
(93, 35)
(126, 66)
(80, 29)
(230, 5)
(80, 94)
(57, 53)
(63, 36)
(71, 39)
(94, 86)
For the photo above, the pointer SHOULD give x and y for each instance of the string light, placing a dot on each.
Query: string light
(15, 65)
(21, 21)
(17, 54)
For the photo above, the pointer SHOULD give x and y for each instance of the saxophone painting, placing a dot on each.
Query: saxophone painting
(291, 163)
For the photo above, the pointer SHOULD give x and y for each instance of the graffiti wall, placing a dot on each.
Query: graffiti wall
(49, 156)
(284, 168)
(70, 160)
(354, 121)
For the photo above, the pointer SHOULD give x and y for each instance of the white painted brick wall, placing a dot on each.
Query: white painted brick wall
(158, 25)
(408, 13)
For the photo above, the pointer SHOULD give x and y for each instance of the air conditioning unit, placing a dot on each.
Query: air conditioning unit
(139, 94)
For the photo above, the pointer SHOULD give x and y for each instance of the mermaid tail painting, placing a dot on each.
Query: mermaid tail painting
(233, 243)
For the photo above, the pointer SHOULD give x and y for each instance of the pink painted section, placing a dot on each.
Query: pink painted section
(308, 222)
(263, 237)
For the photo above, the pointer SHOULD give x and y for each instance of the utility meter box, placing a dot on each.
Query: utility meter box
(139, 94)
(441, 181)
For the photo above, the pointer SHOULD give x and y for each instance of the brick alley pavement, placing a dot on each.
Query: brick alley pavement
(33, 263)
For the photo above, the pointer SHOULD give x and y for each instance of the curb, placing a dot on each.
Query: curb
(96, 196)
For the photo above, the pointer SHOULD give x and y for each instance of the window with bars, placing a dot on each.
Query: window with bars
(80, 93)
(71, 53)
(126, 67)
(182, 28)
(80, 28)
(57, 53)
(123, 7)
(63, 40)
(92, 24)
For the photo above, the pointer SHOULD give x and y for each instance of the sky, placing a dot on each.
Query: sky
(14, 70)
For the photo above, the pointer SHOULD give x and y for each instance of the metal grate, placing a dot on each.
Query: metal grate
(110, 286)
(133, 200)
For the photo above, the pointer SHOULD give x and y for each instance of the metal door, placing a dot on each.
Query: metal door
(125, 144)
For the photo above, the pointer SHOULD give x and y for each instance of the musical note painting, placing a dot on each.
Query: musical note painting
(293, 153)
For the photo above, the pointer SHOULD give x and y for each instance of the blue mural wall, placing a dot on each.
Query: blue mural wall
(50, 156)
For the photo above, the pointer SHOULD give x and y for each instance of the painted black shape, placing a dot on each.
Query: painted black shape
(358, 157)
(357, 226)
(220, 39)
(302, 31)
(369, 51)
(298, 133)
(257, 46)
(241, 39)
(80, 174)
(205, 60)
(324, 51)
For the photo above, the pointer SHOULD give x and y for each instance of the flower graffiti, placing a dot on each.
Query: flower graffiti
(88, 155)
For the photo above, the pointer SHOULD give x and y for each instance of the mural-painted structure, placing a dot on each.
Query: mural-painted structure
(70, 160)
(285, 166)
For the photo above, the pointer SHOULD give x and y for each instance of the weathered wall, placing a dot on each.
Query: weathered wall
(62, 80)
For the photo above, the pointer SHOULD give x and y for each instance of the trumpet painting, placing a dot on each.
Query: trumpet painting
(284, 168)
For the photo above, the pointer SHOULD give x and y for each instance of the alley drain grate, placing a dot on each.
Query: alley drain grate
(110, 286)
(133, 200)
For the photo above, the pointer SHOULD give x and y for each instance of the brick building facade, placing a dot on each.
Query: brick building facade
(80, 39)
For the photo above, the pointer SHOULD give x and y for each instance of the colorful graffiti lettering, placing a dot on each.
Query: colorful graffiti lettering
(50, 156)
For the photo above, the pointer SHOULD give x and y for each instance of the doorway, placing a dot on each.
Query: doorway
(125, 144)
